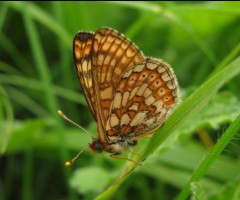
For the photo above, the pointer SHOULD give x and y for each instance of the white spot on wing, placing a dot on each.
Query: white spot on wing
(138, 68)
(125, 98)
(158, 104)
(134, 107)
(142, 89)
(139, 118)
(133, 92)
(114, 121)
(125, 119)
(150, 100)
(117, 100)
(165, 77)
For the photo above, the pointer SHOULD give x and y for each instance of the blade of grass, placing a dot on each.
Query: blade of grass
(178, 19)
(3, 14)
(156, 8)
(87, 18)
(65, 69)
(6, 108)
(12, 51)
(233, 129)
(139, 24)
(26, 102)
(27, 174)
(188, 108)
(38, 85)
(40, 62)
(51, 101)
(234, 53)
(38, 14)
(143, 6)
(8, 69)
(67, 80)
(211, 7)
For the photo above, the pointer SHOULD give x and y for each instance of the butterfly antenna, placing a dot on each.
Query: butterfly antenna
(69, 163)
(72, 122)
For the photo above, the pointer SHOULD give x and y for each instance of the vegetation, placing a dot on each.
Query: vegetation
(196, 154)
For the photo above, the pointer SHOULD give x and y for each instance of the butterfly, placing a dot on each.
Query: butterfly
(129, 95)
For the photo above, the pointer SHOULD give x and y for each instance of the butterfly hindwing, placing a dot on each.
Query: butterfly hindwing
(144, 97)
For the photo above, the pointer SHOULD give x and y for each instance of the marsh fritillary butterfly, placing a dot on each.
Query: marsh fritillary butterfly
(129, 95)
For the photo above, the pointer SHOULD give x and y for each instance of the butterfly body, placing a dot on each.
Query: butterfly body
(129, 95)
(115, 147)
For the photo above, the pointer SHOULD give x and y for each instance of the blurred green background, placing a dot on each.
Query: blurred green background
(38, 77)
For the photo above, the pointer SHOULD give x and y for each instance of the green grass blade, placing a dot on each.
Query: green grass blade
(41, 62)
(43, 17)
(27, 103)
(29, 83)
(12, 50)
(3, 13)
(51, 101)
(233, 129)
(143, 6)
(7, 115)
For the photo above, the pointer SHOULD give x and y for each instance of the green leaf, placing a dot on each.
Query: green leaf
(90, 180)
(197, 191)
(224, 107)
(228, 191)
(212, 156)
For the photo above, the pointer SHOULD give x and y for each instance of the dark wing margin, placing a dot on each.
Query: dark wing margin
(82, 53)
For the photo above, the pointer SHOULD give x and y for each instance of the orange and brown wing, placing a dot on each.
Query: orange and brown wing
(112, 54)
(145, 95)
(82, 51)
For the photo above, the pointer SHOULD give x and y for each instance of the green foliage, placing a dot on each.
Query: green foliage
(197, 192)
(196, 152)
(228, 191)
(83, 178)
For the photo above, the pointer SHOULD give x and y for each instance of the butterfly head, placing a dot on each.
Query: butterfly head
(114, 147)
(96, 146)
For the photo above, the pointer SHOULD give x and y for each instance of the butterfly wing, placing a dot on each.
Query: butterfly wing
(82, 52)
(100, 60)
(112, 54)
(145, 95)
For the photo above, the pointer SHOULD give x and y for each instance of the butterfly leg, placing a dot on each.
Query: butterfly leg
(146, 135)
(132, 152)
(118, 157)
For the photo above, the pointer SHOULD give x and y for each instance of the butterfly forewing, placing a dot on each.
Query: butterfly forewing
(145, 95)
(112, 54)
(100, 60)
